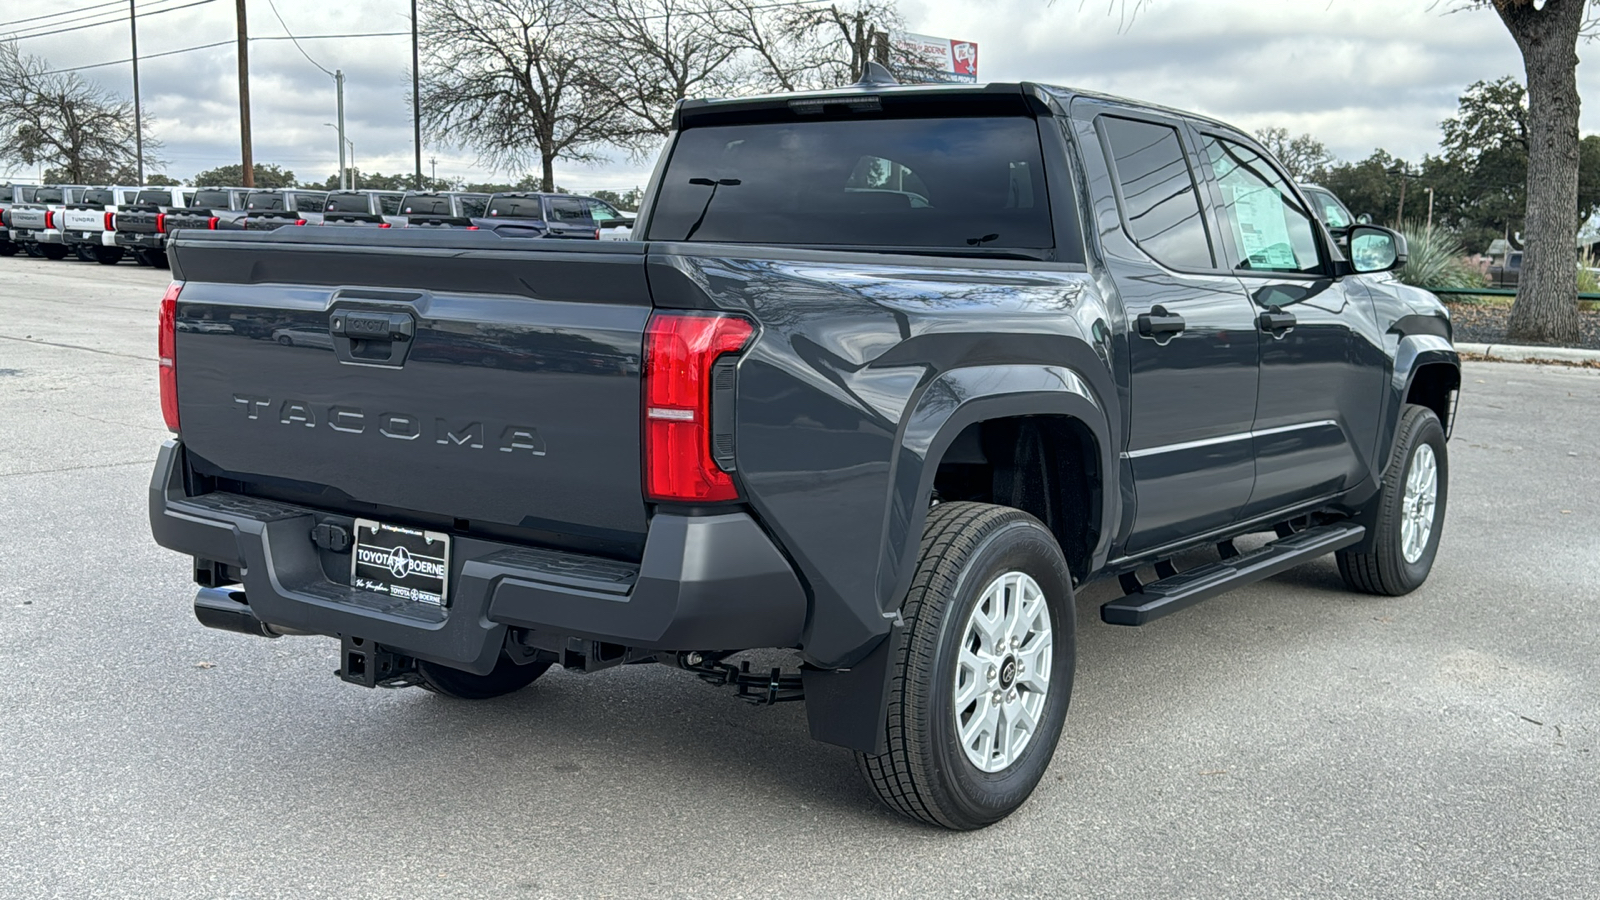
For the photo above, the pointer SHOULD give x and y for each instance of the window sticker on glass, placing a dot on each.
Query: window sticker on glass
(1271, 230)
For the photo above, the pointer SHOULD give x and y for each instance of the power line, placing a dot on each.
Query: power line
(65, 12)
(269, 37)
(279, 16)
(116, 20)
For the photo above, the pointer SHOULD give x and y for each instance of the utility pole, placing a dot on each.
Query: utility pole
(138, 120)
(344, 173)
(248, 174)
(416, 93)
(434, 162)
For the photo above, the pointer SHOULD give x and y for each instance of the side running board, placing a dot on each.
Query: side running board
(1181, 590)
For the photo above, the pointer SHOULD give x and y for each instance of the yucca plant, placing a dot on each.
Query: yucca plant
(1437, 259)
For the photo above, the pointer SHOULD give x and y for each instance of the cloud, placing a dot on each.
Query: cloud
(1358, 74)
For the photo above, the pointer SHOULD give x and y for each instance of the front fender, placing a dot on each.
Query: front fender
(951, 402)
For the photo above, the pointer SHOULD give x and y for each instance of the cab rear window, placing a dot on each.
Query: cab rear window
(267, 200)
(349, 203)
(159, 198)
(426, 206)
(210, 200)
(97, 198)
(946, 183)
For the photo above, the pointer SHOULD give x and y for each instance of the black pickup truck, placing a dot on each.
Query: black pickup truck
(141, 228)
(211, 209)
(890, 372)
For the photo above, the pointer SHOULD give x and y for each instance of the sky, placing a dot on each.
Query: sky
(1358, 74)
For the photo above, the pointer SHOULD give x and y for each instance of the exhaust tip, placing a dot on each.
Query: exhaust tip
(226, 609)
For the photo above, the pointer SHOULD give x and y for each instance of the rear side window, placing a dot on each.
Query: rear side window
(1334, 215)
(425, 206)
(48, 195)
(97, 198)
(473, 205)
(1271, 229)
(1160, 204)
(950, 183)
(389, 204)
(159, 198)
(305, 201)
(350, 203)
(265, 200)
(569, 209)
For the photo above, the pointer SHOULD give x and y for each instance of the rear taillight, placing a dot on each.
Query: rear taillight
(49, 219)
(212, 223)
(300, 221)
(472, 228)
(161, 222)
(111, 221)
(167, 354)
(597, 234)
(385, 225)
(682, 443)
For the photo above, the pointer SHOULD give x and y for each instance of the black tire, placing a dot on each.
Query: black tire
(53, 251)
(506, 678)
(7, 248)
(33, 249)
(108, 256)
(286, 340)
(926, 773)
(1385, 570)
(158, 258)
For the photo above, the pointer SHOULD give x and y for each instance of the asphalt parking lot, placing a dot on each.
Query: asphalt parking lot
(1288, 740)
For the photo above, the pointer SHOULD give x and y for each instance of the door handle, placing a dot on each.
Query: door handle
(372, 337)
(1274, 320)
(1159, 321)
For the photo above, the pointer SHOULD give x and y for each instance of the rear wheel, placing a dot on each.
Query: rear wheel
(1411, 507)
(7, 248)
(981, 685)
(53, 251)
(506, 678)
(108, 256)
(32, 249)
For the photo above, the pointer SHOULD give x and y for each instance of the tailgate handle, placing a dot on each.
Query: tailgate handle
(372, 338)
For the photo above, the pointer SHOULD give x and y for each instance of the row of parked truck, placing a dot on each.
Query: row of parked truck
(110, 224)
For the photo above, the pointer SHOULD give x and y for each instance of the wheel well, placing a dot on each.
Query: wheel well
(1432, 386)
(1047, 466)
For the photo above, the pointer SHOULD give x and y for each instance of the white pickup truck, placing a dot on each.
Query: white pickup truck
(88, 225)
(36, 226)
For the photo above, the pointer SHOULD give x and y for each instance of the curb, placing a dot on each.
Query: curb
(1515, 353)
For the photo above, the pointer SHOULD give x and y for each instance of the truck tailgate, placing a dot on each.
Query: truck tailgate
(403, 378)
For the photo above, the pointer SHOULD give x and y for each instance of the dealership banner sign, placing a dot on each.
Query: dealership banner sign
(940, 59)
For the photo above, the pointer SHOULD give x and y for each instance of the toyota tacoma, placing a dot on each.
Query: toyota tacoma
(890, 372)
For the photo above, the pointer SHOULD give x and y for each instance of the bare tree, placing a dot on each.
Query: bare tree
(1547, 32)
(1304, 156)
(58, 120)
(793, 48)
(658, 52)
(518, 82)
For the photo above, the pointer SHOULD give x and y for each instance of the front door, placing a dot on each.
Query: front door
(1322, 360)
(1189, 349)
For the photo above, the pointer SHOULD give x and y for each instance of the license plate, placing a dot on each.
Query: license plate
(405, 563)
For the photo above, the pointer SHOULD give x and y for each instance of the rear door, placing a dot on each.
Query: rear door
(1190, 354)
(1322, 358)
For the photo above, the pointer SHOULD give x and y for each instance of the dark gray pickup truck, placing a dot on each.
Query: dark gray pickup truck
(890, 373)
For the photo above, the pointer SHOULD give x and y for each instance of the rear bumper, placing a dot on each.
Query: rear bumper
(87, 238)
(141, 241)
(705, 582)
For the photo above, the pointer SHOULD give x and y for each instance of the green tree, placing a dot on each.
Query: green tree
(1366, 186)
(267, 177)
(1546, 32)
(159, 180)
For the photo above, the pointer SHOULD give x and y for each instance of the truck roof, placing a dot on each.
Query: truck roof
(933, 99)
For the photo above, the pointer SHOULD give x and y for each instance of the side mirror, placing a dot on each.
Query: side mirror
(1364, 219)
(1376, 249)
